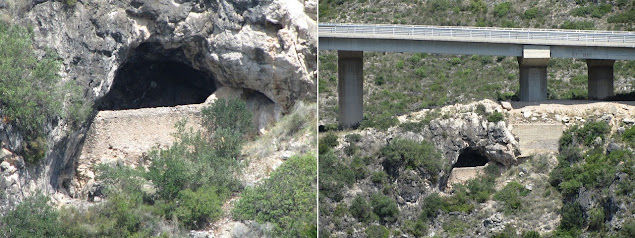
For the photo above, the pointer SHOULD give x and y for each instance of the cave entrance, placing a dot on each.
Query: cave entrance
(471, 157)
(155, 77)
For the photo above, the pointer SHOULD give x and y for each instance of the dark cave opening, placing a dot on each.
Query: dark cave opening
(153, 77)
(471, 157)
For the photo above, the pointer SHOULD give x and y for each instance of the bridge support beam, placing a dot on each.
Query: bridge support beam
(533, 73)
(350, 87)
(600, 78)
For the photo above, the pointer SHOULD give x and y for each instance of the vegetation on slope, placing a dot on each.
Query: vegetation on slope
(31, 94)
(183, 188)
(584, 169)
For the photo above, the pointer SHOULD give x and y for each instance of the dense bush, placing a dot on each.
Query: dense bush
(625, 17)
(572, 216)
(32, 218)
(596, 219)
(286, 199)
(432, 206)
(360, 208)
(502, 9)
(629, 136)
(195, 208)
(495, 117)
(385, 207)
(511, 196)
(327, 142)
(334, 176)
(377, 231)
(413, 155)
(578, 25)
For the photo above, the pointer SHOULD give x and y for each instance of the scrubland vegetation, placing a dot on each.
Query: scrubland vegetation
(183, 188)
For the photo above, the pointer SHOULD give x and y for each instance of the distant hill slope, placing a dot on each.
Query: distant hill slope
(397, 83)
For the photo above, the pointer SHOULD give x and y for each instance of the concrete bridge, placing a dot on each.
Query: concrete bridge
(533, 47)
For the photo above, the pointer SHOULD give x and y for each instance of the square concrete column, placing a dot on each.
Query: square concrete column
(600, 78)
(533, 73)
(350, 89)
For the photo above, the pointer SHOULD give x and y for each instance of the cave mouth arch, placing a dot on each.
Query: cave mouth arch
(471, 157)
(152, 76)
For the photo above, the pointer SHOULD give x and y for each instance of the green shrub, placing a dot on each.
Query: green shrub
(334, 176)
(478, 6)
(385, 207)
(455, 61)
(596, 219)
(33, 217)
(495, 117)
(572, 216)
(454, 226)
(578, 25)
(327, 142)
(438, 5)
(592, 130)
(629, 136)
(628, 228)
(377, 231)
(414, 155)
(286, 198)
(432, 206)
(416, 228)
(531, 13)
(70, 2)
(625, 17)
(30, 89)
(196, 208)
(360, 208)
(511, 196)
(231, 115)
(502, 9)
(531, 234)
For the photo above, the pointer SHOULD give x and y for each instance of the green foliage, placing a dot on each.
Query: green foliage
(438, 5)
(531, 13)
(416, 228)
(625, 17)
(32, 218)
(478, 6)
(454, 226)
(179, 166)
(382, 121)
(502, 9)
(377, 231)
(531, 234)
(495, 117)
(30, 89)
(70, 2)
(327, 142)
(196, 208)
(572, 216)
(334, 176)
(385, 207)
(432, 206)
(413, 155)
(227, 122)
(231, 115)
(511, 196)
(629, 136)
(360, 208)
(596, 11)
(585, 135)
(578, 25)
(286, 198)
(628, 228)
(596, 219)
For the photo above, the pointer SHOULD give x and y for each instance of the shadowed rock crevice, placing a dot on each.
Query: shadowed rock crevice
(471, 157)
(154, 77)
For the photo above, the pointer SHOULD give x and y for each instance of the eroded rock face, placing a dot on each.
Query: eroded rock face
(264, 46)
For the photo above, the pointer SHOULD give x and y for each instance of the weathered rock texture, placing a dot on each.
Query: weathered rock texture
(265, 46)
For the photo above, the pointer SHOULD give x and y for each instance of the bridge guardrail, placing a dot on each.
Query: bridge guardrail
(482, 32)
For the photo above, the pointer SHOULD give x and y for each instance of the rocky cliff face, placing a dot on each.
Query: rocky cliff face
(268, 47)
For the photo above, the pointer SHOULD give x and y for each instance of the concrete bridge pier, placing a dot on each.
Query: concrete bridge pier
(532, 67)
(350, 87)
(600, 78)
